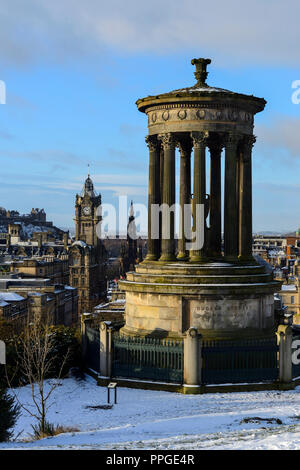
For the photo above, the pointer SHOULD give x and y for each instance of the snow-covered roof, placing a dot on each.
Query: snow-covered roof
(289, 287)
(79, 243)
(10, 297)
(206, 89)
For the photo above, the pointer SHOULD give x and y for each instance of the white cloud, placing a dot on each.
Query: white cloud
(259, 31)
(282, 133)
(119, 184)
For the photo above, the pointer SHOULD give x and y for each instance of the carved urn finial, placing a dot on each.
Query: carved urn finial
(201, 73)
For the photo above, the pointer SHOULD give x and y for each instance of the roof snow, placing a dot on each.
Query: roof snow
(79, 243)
(10, 297)
(289, 287)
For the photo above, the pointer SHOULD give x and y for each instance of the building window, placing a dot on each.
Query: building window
(292, 299)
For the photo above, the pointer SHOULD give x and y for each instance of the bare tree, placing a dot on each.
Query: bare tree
(37, 358)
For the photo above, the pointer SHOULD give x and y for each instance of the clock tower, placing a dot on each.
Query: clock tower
(86, 218)
(87, 258)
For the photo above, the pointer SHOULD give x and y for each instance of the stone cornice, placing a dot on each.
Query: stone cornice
(247, 102)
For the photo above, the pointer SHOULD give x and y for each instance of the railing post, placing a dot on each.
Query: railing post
(84, 321)
(192, 360)
(105, 349)
(110, 351)
(284, 341)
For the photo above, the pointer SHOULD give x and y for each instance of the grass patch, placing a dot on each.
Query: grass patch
(50, 430)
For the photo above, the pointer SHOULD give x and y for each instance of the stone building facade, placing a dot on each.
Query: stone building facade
(55, 269)
(32, 298)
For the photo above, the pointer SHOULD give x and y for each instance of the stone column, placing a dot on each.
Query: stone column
(215, 147)
(185, 149)
(2, 353)
(105, 348)
(245, 197)
(192, 357)
(230, 198)
(199, 143)
(161, 192)
(84, 321)
(168, 198)
(153, 196)
(284, 341)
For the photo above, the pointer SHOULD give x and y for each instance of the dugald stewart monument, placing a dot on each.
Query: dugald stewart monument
(217, 288)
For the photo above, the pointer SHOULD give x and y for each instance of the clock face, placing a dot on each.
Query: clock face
(86, 210)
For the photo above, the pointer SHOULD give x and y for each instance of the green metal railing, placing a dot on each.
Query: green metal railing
(161, 360)
(148, 358)
(239, 361)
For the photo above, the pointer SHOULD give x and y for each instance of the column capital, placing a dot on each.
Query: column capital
(184, 146)
(232, 139)
(199, 139)
(248, 141)
(216, 144)
(152, 142)
(246, 147)
(168, 140)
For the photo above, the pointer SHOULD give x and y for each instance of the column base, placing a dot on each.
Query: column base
(151, 257)
(198, 257)
(231, 259)
(182, 257)
(167, 257)
(249, 259)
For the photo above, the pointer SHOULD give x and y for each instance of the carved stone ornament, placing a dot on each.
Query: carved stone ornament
(232, 139)
(199, 138)
(200, 113)
(167, 140)
(247, 144)
(181, 114)
(165, 115)
(152, 143)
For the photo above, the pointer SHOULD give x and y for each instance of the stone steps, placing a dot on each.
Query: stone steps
(200, 279)
(189, 269)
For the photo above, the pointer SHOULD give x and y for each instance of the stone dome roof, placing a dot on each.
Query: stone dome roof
(88, 188)
(201, 91)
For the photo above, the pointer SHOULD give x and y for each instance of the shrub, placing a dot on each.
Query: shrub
(9, 413)
(66, 343)
(50, 430)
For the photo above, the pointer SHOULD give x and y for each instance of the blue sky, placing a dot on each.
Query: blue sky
(74, 70)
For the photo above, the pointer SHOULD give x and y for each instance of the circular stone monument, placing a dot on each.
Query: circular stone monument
(215, 287)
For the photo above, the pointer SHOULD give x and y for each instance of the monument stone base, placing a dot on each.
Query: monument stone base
(222, 300)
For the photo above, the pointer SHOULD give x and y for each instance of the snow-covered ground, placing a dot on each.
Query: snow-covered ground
(163, 420)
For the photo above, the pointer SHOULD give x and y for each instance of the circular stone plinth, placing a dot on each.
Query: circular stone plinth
(221, 300)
